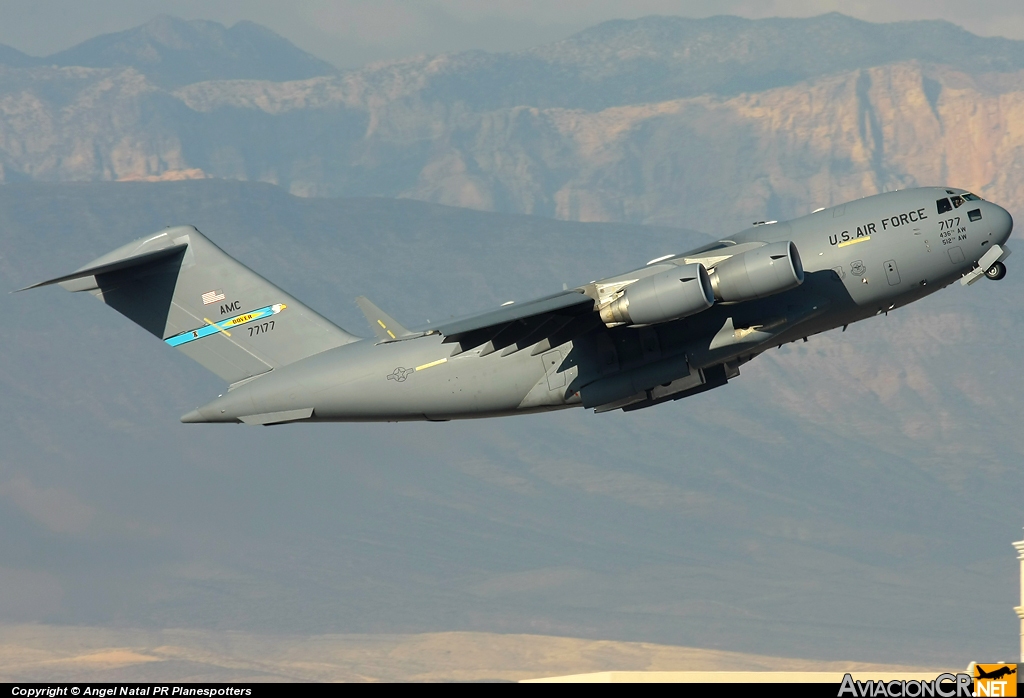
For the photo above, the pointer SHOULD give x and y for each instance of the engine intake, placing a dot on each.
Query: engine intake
(669, 295)
(768, 270)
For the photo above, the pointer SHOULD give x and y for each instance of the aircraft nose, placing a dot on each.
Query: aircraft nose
(1001, 222)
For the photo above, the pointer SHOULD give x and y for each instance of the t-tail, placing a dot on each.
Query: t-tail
(188, 292)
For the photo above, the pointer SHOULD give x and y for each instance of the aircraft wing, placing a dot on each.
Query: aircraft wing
(520, 325)
(554, 319)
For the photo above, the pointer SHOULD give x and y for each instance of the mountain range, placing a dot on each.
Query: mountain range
(173, 52)
(707, 124)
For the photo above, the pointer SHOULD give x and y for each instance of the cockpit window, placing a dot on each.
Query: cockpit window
(971, 197)
(944, 206)
(958, 201)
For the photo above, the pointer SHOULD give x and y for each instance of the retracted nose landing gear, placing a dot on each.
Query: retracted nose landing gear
(990, 266)
(996, 271)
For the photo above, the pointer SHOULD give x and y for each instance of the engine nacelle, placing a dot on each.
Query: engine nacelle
(668, 295)
(765, 271)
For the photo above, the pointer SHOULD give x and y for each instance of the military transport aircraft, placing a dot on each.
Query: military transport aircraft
(680, 325)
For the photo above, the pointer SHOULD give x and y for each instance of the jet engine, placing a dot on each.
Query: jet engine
(668, 295)
(761, 272)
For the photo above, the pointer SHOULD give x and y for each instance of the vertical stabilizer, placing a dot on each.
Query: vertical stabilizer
(188, 292)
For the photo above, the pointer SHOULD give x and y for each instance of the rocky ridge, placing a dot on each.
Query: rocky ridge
(174, 52)
(464, 129)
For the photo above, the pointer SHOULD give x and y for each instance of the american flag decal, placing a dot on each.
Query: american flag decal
(213, 296)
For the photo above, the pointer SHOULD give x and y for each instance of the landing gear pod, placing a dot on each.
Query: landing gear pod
(673, 294)
(768, 270)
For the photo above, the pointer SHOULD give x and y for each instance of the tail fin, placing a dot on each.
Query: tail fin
(184, 289)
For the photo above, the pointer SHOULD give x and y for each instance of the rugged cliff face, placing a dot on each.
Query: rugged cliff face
(448, 129)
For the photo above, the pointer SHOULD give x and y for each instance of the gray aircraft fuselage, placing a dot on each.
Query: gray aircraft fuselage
(860, 259)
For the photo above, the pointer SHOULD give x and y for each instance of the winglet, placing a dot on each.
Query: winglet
(382, 324)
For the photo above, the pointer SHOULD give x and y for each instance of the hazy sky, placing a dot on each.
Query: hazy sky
(352, 32)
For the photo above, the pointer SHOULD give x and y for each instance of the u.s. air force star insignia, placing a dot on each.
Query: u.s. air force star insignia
(400, 374)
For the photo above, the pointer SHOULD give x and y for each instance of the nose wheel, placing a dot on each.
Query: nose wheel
(990, 265)
(996, 271)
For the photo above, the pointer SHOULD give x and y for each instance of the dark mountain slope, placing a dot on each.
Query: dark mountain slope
(13, 58)
(174, 52)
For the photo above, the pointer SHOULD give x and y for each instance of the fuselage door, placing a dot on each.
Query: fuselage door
(891, 272)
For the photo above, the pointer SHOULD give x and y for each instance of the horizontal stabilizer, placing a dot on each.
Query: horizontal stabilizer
(383, 325)
(117, 265)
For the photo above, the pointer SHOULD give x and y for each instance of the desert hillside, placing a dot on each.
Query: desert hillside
(54, 653)
(631, 141)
